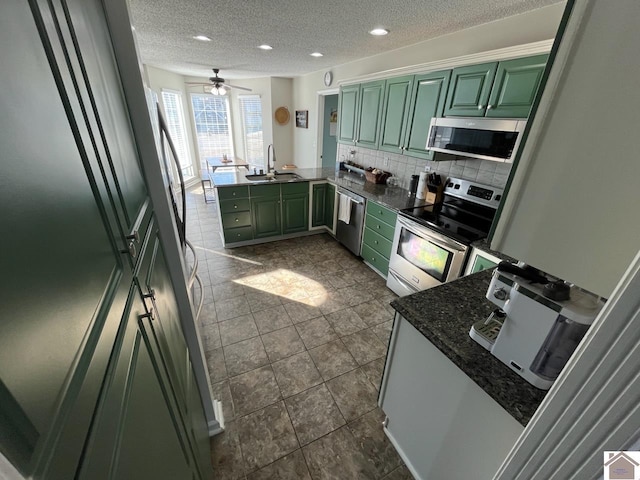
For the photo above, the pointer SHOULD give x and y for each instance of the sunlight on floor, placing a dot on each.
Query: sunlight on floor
(287, 284)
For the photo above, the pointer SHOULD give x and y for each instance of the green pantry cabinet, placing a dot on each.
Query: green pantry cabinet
(249, 212)
(379, 227)
(502, 90)
(95, 376)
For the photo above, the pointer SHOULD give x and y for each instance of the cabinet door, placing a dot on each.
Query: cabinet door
(469, 90)
(318, 201)
(295, 213)
(427, 101)
(370, 113)
(330, 200)
(265, 213)
(480, 263)
(397, 100)
(136, 432)
(64, 280)
(515, 87)
(347, 114)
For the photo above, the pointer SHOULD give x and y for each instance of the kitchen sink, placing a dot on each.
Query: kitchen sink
(277, 177)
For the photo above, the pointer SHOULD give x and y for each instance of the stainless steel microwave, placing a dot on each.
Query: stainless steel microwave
(484, 138)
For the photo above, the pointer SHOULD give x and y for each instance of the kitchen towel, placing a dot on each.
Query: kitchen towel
(344, 208)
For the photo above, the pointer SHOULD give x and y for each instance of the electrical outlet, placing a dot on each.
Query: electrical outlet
(386, 161)
(427, 168)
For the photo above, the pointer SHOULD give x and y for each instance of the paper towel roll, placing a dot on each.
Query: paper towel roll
(422, 185)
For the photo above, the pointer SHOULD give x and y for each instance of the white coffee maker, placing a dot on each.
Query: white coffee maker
(530, 332)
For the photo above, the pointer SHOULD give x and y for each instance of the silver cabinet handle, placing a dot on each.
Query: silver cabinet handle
(131, 249)
(480, 107)
(134, 236)
(489, 107)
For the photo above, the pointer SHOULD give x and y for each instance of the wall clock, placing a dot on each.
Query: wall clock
(328, 78)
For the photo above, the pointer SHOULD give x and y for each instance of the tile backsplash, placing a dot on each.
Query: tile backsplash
(403, 166)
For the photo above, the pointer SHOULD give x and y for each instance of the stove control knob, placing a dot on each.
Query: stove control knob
(501, 294)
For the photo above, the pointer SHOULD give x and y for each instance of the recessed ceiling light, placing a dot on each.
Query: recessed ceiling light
(202, 38)
(316, 54)
(266, 47)
(379, 31)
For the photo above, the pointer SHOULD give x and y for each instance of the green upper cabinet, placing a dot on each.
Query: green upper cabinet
(515, 87)
(427, 101)
(397, 100)
(469, 90)
(347, 114)
(370, 113)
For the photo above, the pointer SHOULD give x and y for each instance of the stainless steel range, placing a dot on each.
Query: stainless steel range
(431, 243)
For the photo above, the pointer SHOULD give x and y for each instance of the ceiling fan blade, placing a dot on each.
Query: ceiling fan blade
(237, 87)
(198, 83)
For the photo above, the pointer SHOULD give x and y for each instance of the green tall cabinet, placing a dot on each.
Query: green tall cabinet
(95, 376)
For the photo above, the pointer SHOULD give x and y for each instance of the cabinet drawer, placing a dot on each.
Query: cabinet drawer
(228, 193)
(238, 205)
(376, 260)
(381, 213)
(238, 234)
(294, 188)
(236, 219)
(381, 228)
(265, 190)
(377, 242)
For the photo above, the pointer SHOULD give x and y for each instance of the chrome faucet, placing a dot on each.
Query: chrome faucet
(271, 151)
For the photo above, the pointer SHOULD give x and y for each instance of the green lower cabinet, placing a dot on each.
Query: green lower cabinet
(375, 259)
(240, 234)
(266, 217)
(295, 213)
(377, 242)
(329, 206)
(318, 200)
(480, 263)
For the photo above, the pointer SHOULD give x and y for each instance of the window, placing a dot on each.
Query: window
(213, 126)
(174, 113)
(251, 110)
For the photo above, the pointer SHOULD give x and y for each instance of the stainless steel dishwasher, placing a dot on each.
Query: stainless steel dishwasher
(350, 233)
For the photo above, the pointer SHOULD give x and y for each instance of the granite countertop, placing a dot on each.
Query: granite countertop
(444, 315)
(395, 198)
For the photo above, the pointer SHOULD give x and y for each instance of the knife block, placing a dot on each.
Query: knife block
(434, 193)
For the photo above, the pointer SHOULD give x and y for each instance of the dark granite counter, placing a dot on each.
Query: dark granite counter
(444, 315)
(392, 197)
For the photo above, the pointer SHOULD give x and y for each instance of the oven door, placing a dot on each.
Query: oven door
(422, 258)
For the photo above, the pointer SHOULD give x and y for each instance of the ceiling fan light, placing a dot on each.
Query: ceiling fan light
(214, 91)
(222, 90)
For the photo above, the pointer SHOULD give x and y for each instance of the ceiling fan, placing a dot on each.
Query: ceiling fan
(218, 84)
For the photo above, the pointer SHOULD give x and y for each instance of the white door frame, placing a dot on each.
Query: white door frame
(320, 121)
(594, 405)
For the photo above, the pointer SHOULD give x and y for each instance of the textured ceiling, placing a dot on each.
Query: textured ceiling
(296, 28)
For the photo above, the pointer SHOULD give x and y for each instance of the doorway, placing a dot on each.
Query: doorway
(329, 131)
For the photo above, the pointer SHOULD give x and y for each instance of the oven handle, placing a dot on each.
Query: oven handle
(438, 239)
(401, 281)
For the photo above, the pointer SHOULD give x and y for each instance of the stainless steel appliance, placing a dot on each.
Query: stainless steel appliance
(350, 220)
(485, 138)
(430, 243)
(533, 334)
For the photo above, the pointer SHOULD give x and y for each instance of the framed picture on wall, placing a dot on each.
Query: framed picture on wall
(302, 118)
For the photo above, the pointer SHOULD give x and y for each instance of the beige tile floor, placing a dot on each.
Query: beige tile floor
(295, 334)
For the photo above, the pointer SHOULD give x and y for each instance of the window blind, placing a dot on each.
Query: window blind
(174, 113)
(212, 122)
(251, 111)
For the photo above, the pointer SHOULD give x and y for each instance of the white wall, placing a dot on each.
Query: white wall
(282, 96)
(521, 29)
(159, 79)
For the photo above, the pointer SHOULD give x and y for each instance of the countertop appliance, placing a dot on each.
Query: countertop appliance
(533, 334)
(430, 243)
(484, 138)
(350, 220)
